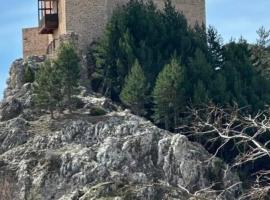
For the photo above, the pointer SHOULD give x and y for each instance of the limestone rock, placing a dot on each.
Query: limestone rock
(10, 108)
(114, 155)
(118, 156)
(18, 94)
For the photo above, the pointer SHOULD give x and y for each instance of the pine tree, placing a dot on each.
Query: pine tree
(214, 42)
(198, 69)
(200, 94)
(218, 89)
(168, 94)
(140, 30)
(261, 53)
(47, 88)
(135, 88)
(29, 74)
(68, 63)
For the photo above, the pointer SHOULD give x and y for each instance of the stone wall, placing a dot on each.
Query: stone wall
(70, 37)
(194, 10)
(62, 21)
(34, 43)
(88, 18)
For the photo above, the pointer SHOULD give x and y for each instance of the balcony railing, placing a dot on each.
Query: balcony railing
(48, 16)
(48, 23)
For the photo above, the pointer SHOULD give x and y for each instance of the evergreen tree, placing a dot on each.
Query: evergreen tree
(47, 88)
(68, 63)
(29, 74)
(218, 89)
(140, 30)
(134, 91)
(261, 53)
(200, 94)
(244, 82)
(198, 69)
(214, 42)
(168, 94)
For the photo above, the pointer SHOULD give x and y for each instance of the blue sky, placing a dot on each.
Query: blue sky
(232, 18)
(15, 14)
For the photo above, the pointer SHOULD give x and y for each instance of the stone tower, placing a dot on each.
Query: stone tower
(86, 18)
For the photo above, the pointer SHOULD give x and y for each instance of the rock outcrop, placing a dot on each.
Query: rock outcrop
(111, 155)
(18, 94)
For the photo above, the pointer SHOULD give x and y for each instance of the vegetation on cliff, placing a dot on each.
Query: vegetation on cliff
(184, 79)
(57, 80)
(224, 75)
(168, 94)
(134, 92)
(187, 69)
(48, 86)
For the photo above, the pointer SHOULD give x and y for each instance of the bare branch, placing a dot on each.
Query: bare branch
(248, 133)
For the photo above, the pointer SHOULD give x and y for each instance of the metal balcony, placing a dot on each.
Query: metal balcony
(48, 16)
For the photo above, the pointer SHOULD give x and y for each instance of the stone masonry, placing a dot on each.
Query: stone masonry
(87, 18)
(34, 43)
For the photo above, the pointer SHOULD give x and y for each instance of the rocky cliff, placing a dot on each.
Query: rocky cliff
(98, 152)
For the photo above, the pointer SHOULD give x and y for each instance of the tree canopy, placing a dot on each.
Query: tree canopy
(57, 80)
(134, 92)
(212, 72)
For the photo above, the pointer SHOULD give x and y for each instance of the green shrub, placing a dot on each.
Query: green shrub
(29, 74)
(97, 111)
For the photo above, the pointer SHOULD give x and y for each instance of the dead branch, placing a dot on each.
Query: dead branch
(248, 134)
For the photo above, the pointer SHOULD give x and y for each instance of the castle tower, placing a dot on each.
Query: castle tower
(87, 18)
